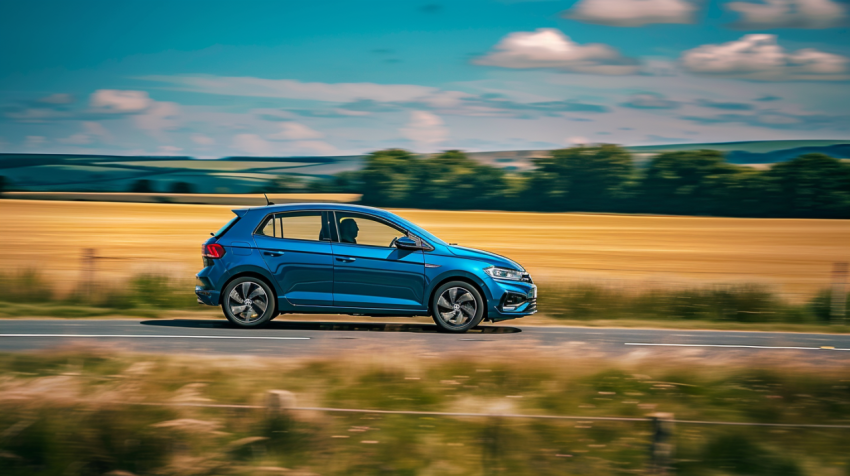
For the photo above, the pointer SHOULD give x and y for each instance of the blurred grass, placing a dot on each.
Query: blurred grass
(58, 415)
(739, 303)
(27, 293)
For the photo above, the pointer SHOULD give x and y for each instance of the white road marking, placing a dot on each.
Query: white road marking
(153, 336)
(733, 346)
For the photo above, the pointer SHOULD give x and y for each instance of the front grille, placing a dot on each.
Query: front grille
(532, 305)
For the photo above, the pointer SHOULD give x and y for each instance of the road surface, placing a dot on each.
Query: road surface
(292, 338)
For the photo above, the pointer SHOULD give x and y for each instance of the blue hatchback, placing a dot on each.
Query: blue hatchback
(345, 259)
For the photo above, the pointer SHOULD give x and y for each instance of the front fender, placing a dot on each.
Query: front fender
(441, 276)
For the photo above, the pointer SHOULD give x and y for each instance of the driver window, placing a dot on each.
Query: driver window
(363, 230)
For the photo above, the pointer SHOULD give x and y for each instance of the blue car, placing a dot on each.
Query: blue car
(325, 258)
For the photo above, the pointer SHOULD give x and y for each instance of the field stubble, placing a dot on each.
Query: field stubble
(794, 257)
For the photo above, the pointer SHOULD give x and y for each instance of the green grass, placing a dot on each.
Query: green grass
(732, 307)
(57, 412)
(28, 294)
(727, 304)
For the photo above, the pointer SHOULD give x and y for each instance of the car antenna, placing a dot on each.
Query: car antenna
(267, 200)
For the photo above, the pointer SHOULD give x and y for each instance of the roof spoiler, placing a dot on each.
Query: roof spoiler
(240, 212)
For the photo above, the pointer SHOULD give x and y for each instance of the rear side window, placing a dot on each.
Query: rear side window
(295, 226)
(221, 231)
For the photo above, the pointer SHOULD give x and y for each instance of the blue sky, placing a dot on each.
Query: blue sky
(212, 79)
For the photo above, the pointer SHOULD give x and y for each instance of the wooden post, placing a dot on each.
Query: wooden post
(839, 293)
(88, 267)
(661, 450)
(278, 401)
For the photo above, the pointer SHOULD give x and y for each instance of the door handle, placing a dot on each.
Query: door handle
(273, 253)
(345, 259)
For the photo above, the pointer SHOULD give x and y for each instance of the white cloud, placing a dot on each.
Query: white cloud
(252, 144)
(789, 14)
(97, 130)
(57, 99)
(759, 57)
(295, 131)
(35, 141)
(159, 118)
(314, 147)
(168, 150)
(425, 129)
(76, 139)
(633, 12)
(349, 112)
(650, 101)
(292, 89)
(549, 48)
(202, 140)
(120, 102)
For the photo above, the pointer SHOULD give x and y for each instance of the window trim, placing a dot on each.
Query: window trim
(321, 216)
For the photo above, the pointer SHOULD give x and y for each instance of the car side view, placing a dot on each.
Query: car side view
(347, 259)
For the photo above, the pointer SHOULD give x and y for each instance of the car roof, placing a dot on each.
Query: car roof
(318, 205)
(343, 207)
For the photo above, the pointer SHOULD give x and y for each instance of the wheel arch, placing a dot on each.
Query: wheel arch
(254, 274)
(459, 277)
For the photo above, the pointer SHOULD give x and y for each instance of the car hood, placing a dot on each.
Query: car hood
(492, 258)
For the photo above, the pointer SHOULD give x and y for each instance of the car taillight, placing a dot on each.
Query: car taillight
(213, 251)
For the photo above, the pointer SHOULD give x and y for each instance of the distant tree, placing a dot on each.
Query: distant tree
(182, 187)
(388, 177)
(581, 178)
(286, 184)
(695, 182)
(142, 186)
(453, 180)
(812, 185)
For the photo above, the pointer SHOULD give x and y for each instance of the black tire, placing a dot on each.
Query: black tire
(456, 314)
(259, 293)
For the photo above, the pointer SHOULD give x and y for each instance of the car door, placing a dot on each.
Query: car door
(297, 250)
(369, 271)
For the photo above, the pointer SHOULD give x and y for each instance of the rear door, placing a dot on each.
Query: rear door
(369, 271)
(297, 250)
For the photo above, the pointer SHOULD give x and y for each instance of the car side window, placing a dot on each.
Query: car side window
(295, 226)
(365, 230)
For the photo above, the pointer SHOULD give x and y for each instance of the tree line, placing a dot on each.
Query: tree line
(603, 178)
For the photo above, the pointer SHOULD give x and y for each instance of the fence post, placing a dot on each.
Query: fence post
(279, 401)
(88, 267)
(661, 450)
(839, 293)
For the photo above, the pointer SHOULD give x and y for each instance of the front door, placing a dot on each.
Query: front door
(370, 272)
(297, 250)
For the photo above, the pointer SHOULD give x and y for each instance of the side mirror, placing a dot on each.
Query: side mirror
(405, 243)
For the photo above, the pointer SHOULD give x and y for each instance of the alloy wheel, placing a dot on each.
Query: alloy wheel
(456, 306)
(247, 301)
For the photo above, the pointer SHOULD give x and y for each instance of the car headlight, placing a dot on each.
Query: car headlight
(504, 273)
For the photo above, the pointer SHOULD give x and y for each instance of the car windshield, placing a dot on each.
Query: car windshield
(417, 230)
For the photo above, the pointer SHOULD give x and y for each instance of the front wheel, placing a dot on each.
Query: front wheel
(248, 302)
(457, 307)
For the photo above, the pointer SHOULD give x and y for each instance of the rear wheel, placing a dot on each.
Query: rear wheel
(457, 306)
(248, 302)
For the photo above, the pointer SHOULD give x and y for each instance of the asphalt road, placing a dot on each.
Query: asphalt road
(292, 338)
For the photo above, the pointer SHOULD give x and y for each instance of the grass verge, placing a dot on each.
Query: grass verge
(720, 307)
(66, 412)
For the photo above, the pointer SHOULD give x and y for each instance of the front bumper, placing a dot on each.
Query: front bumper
(511, 299)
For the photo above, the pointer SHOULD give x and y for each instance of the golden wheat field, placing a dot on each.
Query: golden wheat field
(795, 256)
